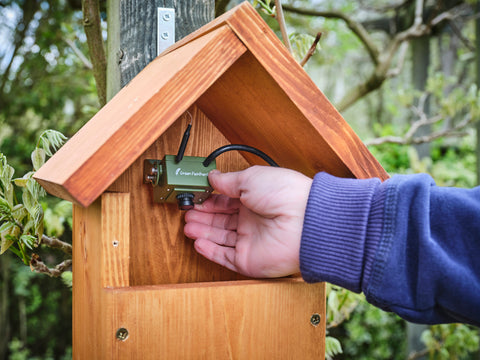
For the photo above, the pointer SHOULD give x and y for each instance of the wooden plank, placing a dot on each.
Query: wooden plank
(159, 251)
(88, 319)
(227, 320)
(115, 239)
(83, 168)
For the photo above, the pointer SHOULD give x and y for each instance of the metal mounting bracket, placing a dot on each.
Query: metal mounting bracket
(165, 28)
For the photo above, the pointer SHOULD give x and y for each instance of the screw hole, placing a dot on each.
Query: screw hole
(115, 243)
(315, 319)
(122, 334)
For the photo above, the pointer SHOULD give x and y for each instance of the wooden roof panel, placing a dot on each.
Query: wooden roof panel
(247, 83)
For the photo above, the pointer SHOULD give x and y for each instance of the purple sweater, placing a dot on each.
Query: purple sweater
(412, 247)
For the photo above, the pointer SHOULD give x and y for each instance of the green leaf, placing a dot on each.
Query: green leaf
(67, 278)
(38, 220)
(19, 212)
(51, 141)
(5, 207)
(6, 226)
(29, 226)
(8, 236)
(28, 240)
(21, 182)
(6, 171)
(5, 243)
(28, 201)
(332, 347)
(38, 158)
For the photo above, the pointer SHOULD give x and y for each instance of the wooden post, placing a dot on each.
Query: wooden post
(132, 33)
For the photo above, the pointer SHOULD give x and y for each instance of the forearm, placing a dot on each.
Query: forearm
(410, 246)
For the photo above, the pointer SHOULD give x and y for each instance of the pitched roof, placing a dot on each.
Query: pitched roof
(241, 76)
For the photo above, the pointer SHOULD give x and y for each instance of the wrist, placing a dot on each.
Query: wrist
(333, 243)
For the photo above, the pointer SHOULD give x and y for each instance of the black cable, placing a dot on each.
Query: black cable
(238, 147)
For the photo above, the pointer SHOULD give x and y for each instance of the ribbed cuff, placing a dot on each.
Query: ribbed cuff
(341, 230)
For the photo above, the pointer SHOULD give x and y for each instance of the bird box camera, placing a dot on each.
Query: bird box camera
(184, 179)
(184, 182)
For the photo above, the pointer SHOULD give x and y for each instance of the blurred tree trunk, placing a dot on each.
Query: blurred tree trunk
(420, 64)
(93, 31)
(477, 59)
(4, 305)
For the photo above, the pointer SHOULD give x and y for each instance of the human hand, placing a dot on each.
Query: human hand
(255, 224)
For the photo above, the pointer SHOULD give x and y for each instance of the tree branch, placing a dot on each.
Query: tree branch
(409, 139)
(93, 31)
(52, 242)
(382, 61)
(80, 55)
(56, 244)
(28, 10)
(403, 50)
(381, 71)
(312, 49)
(418, 13)
(37, 265)
(356, 27)
(283, 26)
(418, 354)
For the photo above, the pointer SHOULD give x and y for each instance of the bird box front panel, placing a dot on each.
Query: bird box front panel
(159, 251)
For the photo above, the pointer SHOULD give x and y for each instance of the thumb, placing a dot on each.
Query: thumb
(226, 183)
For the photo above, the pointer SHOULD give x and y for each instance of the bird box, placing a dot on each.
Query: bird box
(139, 288)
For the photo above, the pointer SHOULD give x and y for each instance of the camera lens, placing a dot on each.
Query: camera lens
(185, 201)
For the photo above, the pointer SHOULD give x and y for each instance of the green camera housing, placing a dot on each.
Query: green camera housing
(184, 182)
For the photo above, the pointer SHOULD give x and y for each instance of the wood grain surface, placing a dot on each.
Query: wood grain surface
(159, 252)
(89, 318)
(116, 243)
(229, 320)
(245, 319)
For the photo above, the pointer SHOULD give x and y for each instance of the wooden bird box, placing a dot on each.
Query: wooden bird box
(139, 288)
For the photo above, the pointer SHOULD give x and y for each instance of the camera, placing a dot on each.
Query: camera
(184, 182)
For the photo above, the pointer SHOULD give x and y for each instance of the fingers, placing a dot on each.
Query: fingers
(218, 203)
(226, 183)
(221, 255)
(216, 235)
(222, 221)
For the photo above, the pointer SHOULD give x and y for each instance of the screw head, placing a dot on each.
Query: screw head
(315, 319)
(167, 17)
(121, 334)
(165, 35)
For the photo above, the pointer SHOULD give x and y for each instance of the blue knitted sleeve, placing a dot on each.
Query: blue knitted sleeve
(410, 246)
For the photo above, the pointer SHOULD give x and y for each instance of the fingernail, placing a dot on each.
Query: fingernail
(214, 172)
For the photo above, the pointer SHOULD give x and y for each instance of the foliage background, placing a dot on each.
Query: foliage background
(46, 82)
